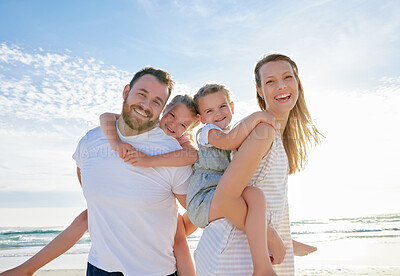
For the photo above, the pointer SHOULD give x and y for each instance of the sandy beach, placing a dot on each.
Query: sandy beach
(299, 271)
(72, 272)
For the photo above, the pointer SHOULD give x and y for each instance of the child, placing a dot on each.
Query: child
(178, 119)
(216, 141)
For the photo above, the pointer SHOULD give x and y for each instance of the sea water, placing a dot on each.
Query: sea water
(364, 242)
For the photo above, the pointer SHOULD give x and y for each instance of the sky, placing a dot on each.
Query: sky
(63, 63)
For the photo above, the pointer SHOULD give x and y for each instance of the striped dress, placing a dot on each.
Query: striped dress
(223, 249)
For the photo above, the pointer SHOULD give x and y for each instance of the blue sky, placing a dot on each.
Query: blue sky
(63, 63)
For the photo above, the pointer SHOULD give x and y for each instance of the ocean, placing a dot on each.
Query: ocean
(369, 245)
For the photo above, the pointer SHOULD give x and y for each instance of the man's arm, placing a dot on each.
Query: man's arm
(78, 173)
(189, 226)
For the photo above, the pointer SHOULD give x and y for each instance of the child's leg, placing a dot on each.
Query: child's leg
(64, 241)
(256, 230)
(184, 262)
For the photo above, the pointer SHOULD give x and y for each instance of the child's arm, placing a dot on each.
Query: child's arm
(184, 262)
(108, 127)
(179, 158)
(301, 249)
(64, 241)
(233, 139)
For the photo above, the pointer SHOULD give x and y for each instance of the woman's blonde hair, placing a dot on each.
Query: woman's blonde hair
(300, 133)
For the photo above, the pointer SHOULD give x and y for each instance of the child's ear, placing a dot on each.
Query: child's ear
(126, 91)
(200, 118)
(232, 107)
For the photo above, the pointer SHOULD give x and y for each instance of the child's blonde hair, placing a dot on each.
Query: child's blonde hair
(300, 132)
(212, 88)
(188, 101)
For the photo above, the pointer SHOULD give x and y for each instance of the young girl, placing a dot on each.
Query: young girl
(178, 119)
(215, 144)
(269, 156)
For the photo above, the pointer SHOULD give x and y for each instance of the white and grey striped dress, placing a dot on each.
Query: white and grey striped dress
(223, 249)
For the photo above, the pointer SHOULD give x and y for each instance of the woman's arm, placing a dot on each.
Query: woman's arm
(233, 139)
(59, 245)
(227, 200)
(109, 128)
(179, 158)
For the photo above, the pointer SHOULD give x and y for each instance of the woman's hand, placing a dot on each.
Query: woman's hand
(138, 158)
(275, 246)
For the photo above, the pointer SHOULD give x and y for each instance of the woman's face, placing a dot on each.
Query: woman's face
(279, 87)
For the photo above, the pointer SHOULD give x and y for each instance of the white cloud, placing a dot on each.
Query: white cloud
(47, 86)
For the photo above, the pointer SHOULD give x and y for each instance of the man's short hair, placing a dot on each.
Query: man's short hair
(161, 75)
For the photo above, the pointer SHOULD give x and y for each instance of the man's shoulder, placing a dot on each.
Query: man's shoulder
(93, 136)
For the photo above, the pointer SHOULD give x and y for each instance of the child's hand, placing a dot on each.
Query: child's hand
(138, 158)
(275, 246)
(268, 118)
(122, 148)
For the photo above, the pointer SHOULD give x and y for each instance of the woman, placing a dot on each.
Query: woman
(269, 157)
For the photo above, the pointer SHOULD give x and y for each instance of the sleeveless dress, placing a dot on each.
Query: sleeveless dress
(224, 250)
(208, 170)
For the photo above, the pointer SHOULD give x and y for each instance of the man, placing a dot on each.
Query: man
(132, 211)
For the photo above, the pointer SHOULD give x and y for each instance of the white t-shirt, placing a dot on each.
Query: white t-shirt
(203, 135)
(132, 211)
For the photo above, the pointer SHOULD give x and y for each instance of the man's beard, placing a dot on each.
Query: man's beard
(134, 123)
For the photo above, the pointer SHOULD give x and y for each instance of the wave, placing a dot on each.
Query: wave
(379, 226)
(345, 231)
(28, 232)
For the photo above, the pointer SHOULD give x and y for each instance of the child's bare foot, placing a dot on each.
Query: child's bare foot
(301, 249)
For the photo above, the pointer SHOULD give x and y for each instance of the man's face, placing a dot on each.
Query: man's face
(144, 103)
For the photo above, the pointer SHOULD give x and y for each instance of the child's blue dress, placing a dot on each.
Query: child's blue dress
(208, 171)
